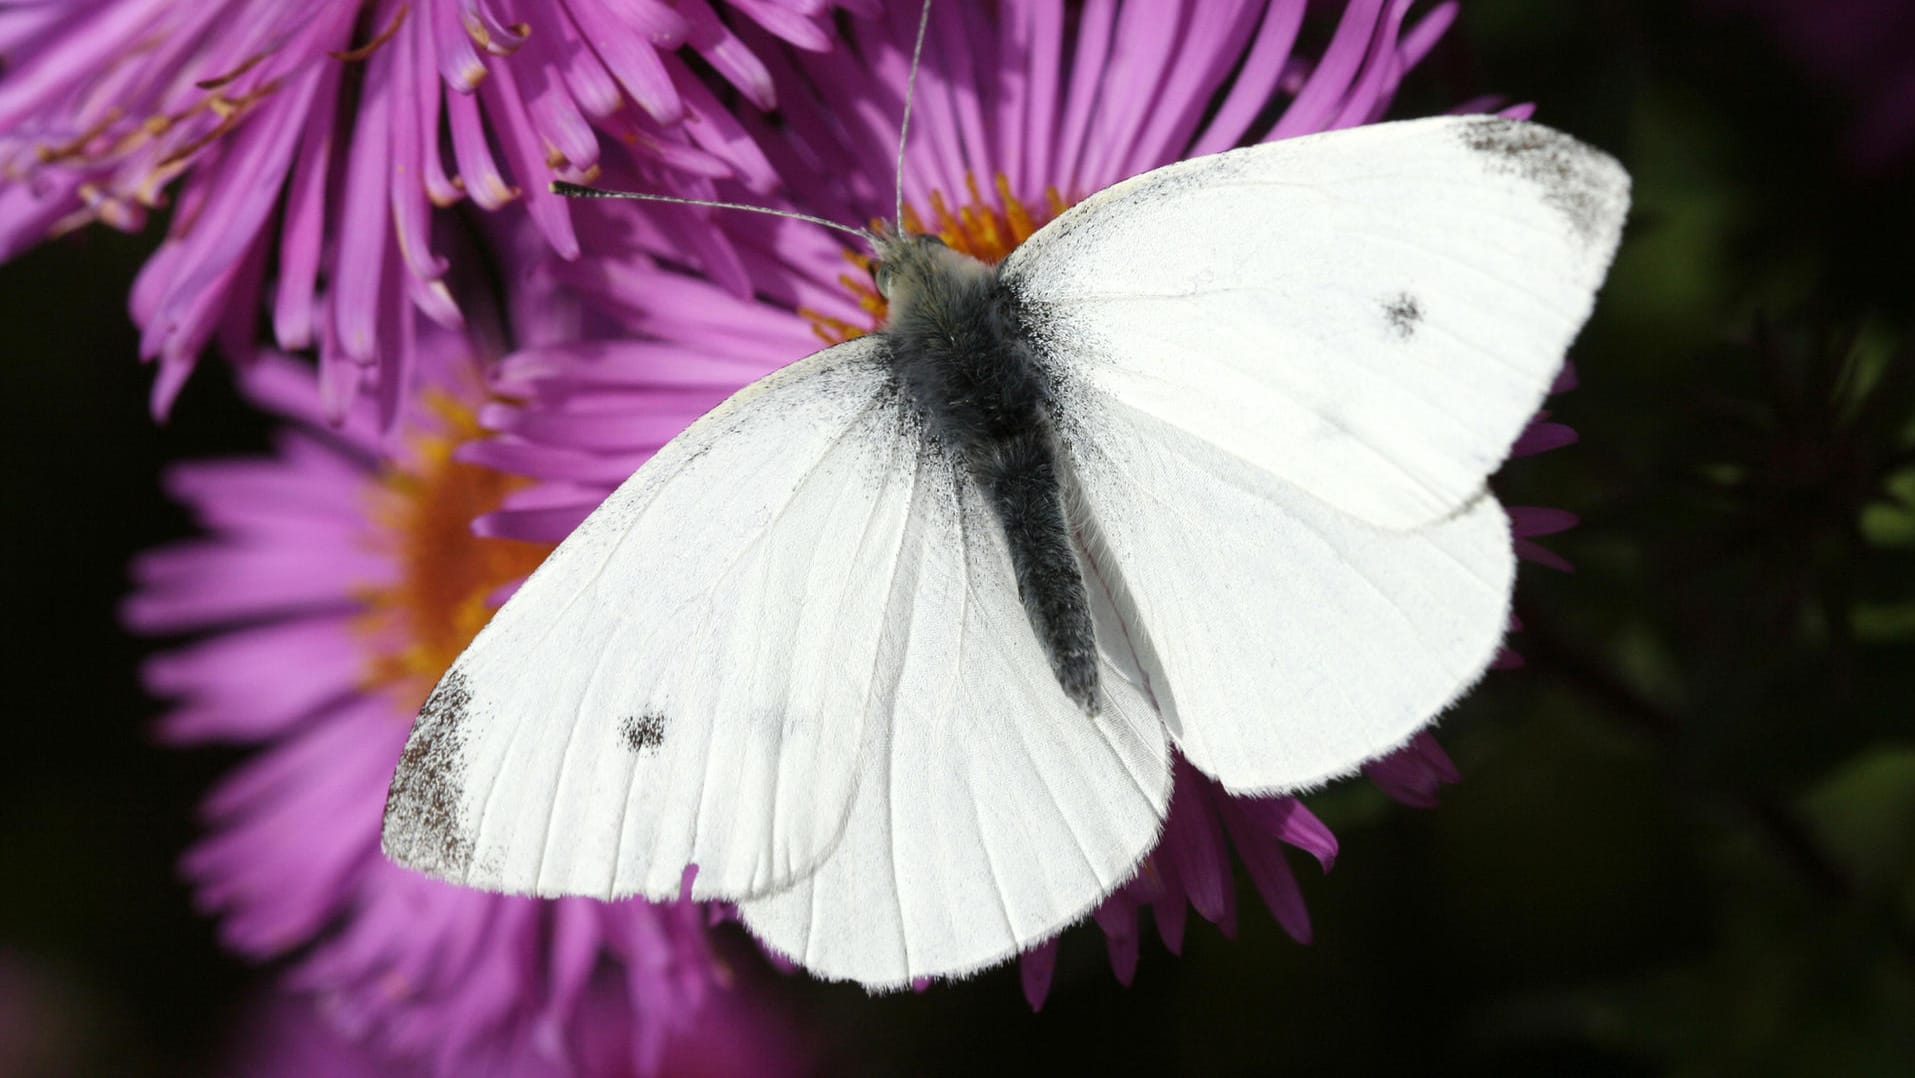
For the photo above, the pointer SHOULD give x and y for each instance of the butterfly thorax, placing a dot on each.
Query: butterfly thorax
(963, 361)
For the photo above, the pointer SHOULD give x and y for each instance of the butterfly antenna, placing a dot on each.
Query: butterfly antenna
(910, 90)
(573, 190)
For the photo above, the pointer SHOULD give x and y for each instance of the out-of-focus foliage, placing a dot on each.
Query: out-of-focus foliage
(1685, 839)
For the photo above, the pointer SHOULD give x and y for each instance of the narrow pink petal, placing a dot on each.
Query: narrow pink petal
(505, 107)
(1209, 52)
(533, 525)
(399, 332)
(1541, 555)
(168, 380)
(1531, 521)
(800, 30)
(1288, 821)
(478, 171)
(490, 32)
(433, 298)
(1317, 102)
(39, 76)
(935, 155)
(574, 951)
(1271, 874)
(1252, 90)
(1035, 968)
(285, 386)
(411, 213)
(1092, 48)
(1171, 911)
(520, 457)
(623, 430)
(451, 47)
(591, 363)
(1369, 94)
(1132, 87)
(1541, 437)
(554, 115)
(593, 87)
(259, 157)
(1044, 53)
(340, 376)
(1193, 846)
(726, 54)
(225, 492)
(631, 58)
(27, 211)
(358, 268)
(553, 495)
(713, 127)
(1117, 916)
(965, 48)
(1427, 32)
(302, 231)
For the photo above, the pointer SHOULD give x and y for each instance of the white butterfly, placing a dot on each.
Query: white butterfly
(894, 645)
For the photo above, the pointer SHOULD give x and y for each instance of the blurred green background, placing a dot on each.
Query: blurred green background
(1685, 839)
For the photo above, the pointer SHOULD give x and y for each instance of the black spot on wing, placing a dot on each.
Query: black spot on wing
(1582, 183)
(1402, 313)
(643, 734)
(424, 823)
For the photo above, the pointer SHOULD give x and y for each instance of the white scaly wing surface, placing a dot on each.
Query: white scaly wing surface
(688, 678)
(992, 811)
(1284, 374)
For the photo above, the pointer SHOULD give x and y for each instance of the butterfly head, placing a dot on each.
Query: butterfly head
(910, 269)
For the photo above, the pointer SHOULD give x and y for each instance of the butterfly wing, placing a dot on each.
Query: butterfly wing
(687, 679)
(992, 811)
(791, 640)
(1371, 315)
(1283, 375)
(1286, 642)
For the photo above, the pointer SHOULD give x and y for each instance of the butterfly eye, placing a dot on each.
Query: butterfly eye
(881, 276)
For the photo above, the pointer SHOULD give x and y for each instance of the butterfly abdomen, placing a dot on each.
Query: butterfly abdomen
(961, 359)
(1019, 477)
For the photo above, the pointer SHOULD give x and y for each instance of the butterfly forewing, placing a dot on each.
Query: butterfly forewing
(688, 678)
(1371, 314)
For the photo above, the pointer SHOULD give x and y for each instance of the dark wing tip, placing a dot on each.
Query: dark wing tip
(424, 825)
(1587, 186)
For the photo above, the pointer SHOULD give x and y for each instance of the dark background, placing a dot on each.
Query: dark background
(1685, 840)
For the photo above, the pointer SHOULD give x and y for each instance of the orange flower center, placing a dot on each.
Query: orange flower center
(986, 230)
(448, 577)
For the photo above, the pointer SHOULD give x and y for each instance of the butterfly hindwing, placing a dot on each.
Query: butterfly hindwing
(992, 811)
(1286, 642)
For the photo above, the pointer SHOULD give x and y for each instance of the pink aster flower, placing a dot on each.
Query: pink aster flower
(336, 587)
(306, 149)
(1020, 111)
(337, 578)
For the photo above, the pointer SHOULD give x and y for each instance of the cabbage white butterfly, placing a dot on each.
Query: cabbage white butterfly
(892, 647)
